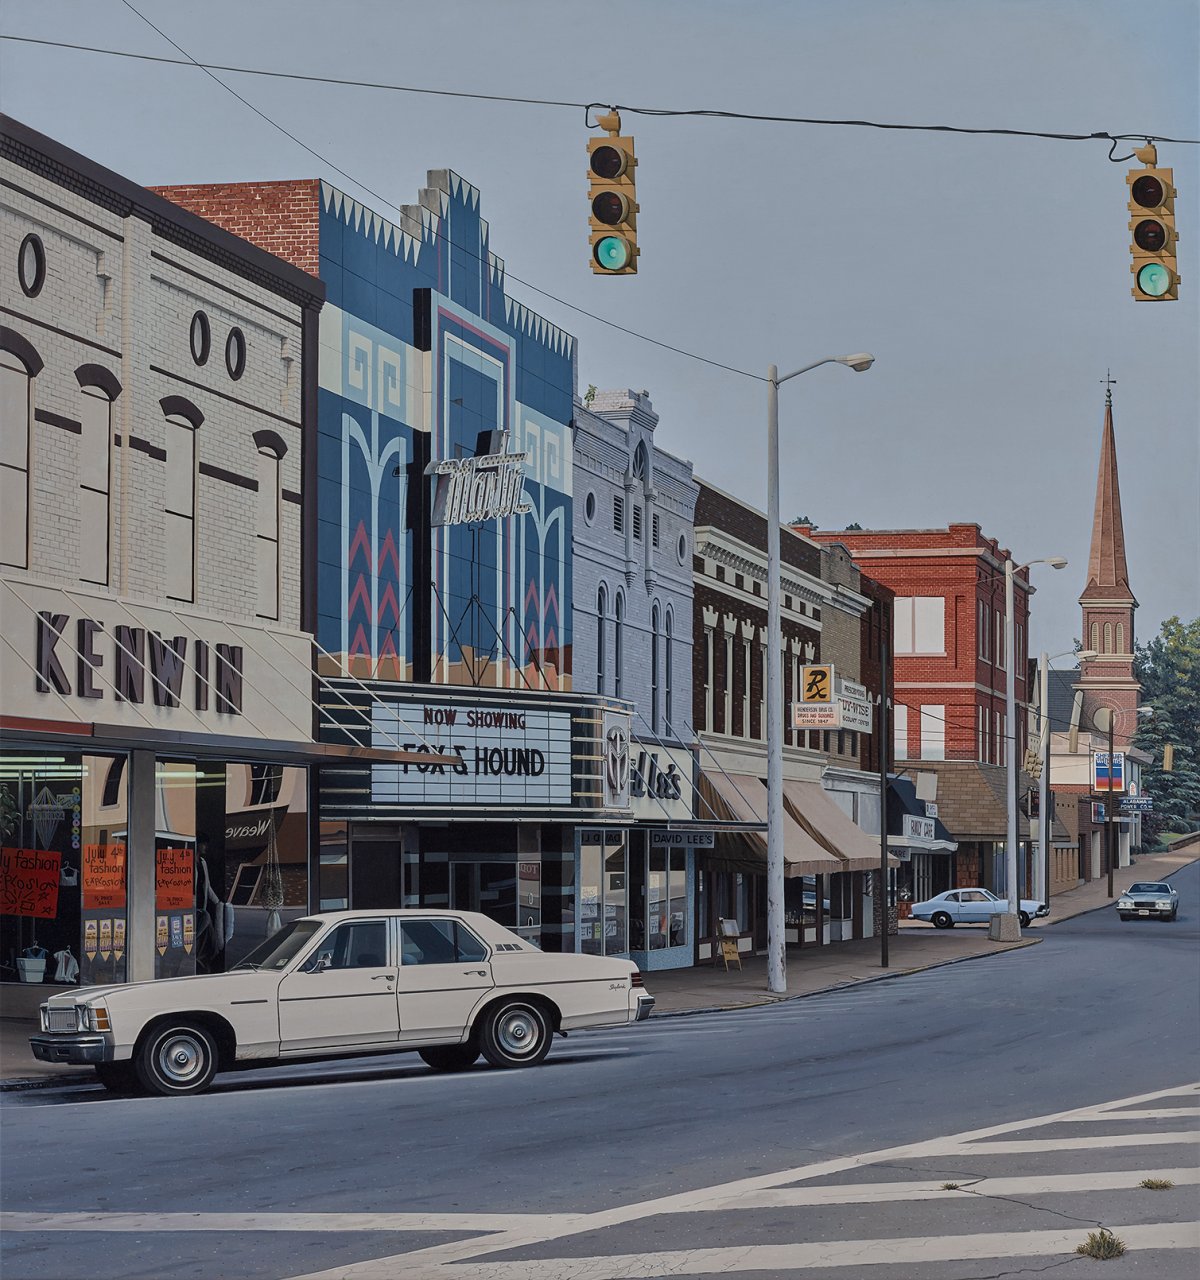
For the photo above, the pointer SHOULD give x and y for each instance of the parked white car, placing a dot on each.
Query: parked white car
(449, 984)
(973, 906)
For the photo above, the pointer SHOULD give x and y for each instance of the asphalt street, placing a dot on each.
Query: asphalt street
(866, 1086)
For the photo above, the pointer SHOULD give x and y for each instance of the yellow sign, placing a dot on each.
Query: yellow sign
(729, 951)
(816, 684)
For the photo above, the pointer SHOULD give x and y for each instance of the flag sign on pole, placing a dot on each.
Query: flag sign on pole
(1101, 772)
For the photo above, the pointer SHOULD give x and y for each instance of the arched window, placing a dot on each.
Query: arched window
(654, 687)
(1095, 644)
(19, 365)
(601, 636)
(641, 463)
(99, 388)
(668, 707)
(1108, 637)
(179, 498)
(618, 642)
(1120, 637)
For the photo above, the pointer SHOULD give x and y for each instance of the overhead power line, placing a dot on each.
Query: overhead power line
(710, 112)
(465, 249)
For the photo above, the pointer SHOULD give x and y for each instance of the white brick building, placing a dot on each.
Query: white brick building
(154, 424)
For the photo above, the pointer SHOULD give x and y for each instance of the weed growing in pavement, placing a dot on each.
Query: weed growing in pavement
(1156, 1184)
(949, 1186)
(1101, 1244)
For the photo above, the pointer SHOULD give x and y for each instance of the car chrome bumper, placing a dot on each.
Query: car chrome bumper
(644, 1009)
(80, 1048)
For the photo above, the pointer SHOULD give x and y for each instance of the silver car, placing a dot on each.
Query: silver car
(1149, 898)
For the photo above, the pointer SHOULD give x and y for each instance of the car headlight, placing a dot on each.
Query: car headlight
(1163, 906)
(1124, 904)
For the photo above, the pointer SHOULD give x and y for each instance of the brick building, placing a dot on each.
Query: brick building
(157, 420)
(950, 670)
(831, 807)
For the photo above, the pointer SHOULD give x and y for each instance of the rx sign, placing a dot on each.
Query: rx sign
(1101, 773)
(816, 684)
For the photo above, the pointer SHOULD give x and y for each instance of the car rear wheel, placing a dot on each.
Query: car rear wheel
(176, 1058)
(516, 1033)
(117, 1077)
(450, 1057)
(1023, 916)
(941, 920)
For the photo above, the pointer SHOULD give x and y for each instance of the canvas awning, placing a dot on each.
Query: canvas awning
(809, 804)
(742, 798)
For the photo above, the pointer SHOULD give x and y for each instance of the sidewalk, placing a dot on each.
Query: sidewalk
(680, 991)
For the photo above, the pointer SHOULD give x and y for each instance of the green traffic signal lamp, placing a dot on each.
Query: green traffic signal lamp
(613, 199)
(1152, 230)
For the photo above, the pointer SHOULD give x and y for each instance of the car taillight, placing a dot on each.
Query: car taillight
(636, 979)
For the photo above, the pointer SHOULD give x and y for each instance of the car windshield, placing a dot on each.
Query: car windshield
(991, 897)
(1149, 888)
(280, 947)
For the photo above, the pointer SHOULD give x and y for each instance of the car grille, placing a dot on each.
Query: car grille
(62, 1020)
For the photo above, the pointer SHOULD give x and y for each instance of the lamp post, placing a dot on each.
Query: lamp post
(1012, 925)
(776, 960)
(1041, 868)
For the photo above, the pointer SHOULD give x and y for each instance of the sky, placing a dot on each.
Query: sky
(989, 276)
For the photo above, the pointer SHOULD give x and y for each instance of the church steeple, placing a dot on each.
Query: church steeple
(1108, 574)
(1107, 600)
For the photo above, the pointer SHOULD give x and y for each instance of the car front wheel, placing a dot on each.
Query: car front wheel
(1023, 916)
(450, 1057)
(1124, 916)
(516, 1033)
(175, 1059)
(941, 920)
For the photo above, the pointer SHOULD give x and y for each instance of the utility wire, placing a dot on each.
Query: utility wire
(465, 249)
(706, 112)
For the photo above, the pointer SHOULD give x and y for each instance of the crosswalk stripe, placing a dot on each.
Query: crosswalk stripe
(1029, 1145)
(782, 1259)
(1161, 1113)
(296, 1222)
(883, 1192)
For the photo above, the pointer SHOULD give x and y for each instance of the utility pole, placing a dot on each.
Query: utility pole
(884, 731)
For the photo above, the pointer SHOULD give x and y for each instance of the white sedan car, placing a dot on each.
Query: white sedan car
(449, 984)
(973, 906)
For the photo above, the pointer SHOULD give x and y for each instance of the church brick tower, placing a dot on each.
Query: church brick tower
(1108, 603)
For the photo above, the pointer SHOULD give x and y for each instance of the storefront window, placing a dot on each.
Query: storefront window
(603, 893)
(63, 895)
(188, 911)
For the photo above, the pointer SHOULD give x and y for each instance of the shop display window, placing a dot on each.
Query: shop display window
(63, 869)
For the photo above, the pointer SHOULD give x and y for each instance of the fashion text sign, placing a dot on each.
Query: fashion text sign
(29, 882)
(174, 884)
(103, 876)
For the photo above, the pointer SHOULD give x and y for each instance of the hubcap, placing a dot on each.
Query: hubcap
(181, 1058)
(518, 1032)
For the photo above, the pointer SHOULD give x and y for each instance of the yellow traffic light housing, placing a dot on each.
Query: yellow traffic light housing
(612, 195)
(1152, 230)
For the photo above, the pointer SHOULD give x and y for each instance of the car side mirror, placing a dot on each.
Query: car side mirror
(316, 965)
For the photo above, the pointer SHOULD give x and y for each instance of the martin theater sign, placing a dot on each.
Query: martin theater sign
(80, 657)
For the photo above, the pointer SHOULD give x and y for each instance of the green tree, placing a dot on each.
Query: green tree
(1169, 670)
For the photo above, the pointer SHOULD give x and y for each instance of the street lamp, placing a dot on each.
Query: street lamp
(776, 962)
(1041, 866)
(1011, 923)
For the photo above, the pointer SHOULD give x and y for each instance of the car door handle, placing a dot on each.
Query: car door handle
(389, 976)
(482, 973)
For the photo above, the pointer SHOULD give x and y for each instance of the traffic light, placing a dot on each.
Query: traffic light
(613, 198)
(1152, 227)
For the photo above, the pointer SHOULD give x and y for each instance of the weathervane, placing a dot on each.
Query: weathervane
(1111, 382)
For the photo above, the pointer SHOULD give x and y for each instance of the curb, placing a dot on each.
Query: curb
(844, 986)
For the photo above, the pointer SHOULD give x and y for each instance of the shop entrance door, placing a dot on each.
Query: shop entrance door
(375, 875)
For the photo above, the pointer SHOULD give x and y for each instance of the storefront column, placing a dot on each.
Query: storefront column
(139, 866)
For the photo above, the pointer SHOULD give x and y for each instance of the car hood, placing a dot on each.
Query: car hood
(1145, 897)
(189, 988)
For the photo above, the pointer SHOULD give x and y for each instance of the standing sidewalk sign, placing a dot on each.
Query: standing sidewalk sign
(1101, 772)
